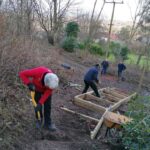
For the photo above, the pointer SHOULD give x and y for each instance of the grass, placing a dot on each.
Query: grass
(132, 59)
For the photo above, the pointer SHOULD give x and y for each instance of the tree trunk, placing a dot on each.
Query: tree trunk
(55, 15)
(55, 22)
(91, 21)
(50, 38)
(141, 80)
(139, 59)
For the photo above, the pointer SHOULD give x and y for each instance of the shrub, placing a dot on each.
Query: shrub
(96, 49)
(72, 29)
(69, 44)
(136, 135)
(115, 49)
(87, 42)
(81, 45)
(118, 51)
(124, 53)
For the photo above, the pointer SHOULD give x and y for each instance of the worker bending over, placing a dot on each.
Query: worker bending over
(41, 80)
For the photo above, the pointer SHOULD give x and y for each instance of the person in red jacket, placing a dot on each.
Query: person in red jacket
(41, 80)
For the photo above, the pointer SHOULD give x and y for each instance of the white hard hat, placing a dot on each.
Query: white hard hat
(51, 80)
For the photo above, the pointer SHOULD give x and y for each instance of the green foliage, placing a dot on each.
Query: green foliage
(69, 44)
(118, 51)
(81, 45)
(87, 42)
(124, 53)
(124, 33)
(136, 135)
(72, 29)
(115, 49)
(96, 49)
(92, 47)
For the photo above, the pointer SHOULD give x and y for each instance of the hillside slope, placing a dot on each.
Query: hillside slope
(16, 111)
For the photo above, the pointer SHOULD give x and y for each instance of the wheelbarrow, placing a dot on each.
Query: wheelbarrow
(114, 120)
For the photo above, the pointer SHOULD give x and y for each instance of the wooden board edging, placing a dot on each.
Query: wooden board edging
(79, 114)
(88, 105)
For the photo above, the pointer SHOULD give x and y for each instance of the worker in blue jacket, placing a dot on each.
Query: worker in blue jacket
(90, 78)
(121, 68)
(105, 65)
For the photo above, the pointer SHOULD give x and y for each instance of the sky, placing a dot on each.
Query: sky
(122, 11)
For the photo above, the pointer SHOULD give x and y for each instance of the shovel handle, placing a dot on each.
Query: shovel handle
(35, 104)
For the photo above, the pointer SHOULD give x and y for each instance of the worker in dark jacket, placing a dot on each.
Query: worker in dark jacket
(41, 80)
(121, 68)
(90, 78)
(105, 65)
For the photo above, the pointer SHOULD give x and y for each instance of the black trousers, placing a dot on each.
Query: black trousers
(120, 75)
(92, 85)
(104, 71)
(47, 108)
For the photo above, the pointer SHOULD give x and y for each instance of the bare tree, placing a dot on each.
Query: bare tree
(137, 18)
(95, 22)
(91, 20)
(51, 19)
(144, 24)
(20, 15)
(83, 20)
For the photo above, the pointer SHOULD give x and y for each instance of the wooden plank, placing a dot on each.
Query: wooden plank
(111, 97)
(91, 92)
(79, 114)
(88, 105)
(89, 96)
(81, 95)
(125, 100)
(117, 94)
(120, 92)
(98, 126)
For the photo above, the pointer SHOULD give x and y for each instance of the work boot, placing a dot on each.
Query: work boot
(50, 127)
(38, 124)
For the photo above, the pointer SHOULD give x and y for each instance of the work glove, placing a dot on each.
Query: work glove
(38, 107)
(31, 87)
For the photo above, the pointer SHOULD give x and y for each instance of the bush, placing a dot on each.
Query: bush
(87, 42)
(136, 135)
(124, 53)
(72, 29)
(115, 49)
(69, 44)
(81, 45)
(118, 51)
(96, 49)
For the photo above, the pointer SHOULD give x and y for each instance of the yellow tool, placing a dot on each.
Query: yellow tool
(34, 104)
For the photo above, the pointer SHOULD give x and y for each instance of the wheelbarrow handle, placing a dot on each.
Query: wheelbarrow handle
(35, 104)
